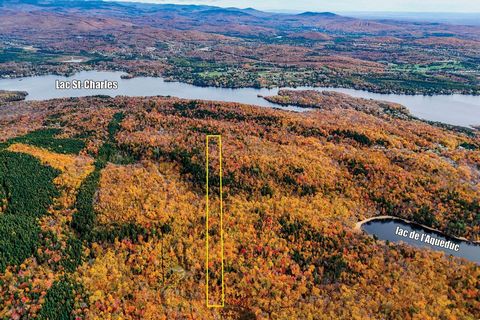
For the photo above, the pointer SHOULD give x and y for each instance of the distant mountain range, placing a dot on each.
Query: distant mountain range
(227, 21)
(247, 13)
(206, 10)
(151, 7)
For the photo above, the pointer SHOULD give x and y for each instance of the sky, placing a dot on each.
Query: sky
(450, 6)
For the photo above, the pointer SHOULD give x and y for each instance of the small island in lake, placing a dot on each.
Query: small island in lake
(9, 96)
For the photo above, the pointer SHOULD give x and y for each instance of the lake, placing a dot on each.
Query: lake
(457, 109)
(396, 230)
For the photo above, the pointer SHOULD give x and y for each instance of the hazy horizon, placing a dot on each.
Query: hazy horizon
(391, 6)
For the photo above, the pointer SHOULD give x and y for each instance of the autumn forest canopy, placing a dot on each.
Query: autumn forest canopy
(114, 222)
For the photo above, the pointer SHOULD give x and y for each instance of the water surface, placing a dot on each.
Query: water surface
(385, 229)
(457, 109)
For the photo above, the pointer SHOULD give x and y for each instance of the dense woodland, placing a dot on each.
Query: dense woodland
(102, 210)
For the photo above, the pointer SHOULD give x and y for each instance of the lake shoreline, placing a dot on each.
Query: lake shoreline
(359, 224)
(128, 75)
(455, 109)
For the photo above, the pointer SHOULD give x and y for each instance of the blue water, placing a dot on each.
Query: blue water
(461, 110)
(385, 229)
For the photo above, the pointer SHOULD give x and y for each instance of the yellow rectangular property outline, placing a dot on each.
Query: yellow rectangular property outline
(219, 137)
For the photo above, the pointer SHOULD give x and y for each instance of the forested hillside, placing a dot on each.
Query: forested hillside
(105, 200)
